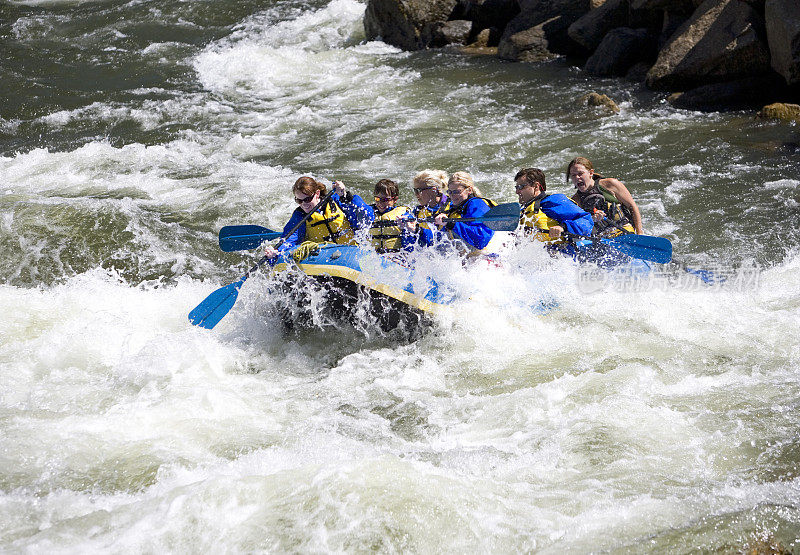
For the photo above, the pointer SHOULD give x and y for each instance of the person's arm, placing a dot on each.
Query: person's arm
(357, 212)
(408, 237)
(473, 233)
(569, 215)
(291, 241)
(624, 196)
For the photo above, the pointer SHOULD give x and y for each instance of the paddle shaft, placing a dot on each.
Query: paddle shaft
(394, 223)
(217, 305)
(263, 259)
(508, 212)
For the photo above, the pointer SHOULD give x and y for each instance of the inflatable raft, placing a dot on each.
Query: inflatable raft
(355, 283)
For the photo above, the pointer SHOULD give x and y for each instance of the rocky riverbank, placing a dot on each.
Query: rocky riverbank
(710, 55)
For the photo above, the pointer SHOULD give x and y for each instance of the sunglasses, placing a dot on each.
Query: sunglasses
(452, 192)
(303, 200)
(519, 187)
(419, 190)
(385, 199)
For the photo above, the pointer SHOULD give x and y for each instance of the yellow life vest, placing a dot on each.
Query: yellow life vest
(426, 213)
(386, 238)
(329, 225)
(457, 212)
(535, 222)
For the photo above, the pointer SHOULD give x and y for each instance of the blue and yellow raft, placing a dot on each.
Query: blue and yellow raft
(390, 275)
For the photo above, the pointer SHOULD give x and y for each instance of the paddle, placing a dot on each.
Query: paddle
(244, 237)
(644, 247)
(706, 276)
(214, 307)
(503, 217)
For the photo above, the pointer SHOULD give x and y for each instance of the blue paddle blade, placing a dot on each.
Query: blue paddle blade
(214, 307)
(503, 217)
(244, 237)
(645, 247)
(507, 223)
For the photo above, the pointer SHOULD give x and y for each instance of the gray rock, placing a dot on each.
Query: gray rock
(620, 50)
(591, 27)
(783, 33)
(739, 94)
(540, 30)
(448, 32)
(683, 6)
(406, 24)
(671, 23)
(482, 40)
(529, 45)
(722, 41)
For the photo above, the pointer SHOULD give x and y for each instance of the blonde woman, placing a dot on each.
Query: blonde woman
(467, 202)
(429, 186)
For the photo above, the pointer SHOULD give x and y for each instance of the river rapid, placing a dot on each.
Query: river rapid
(631, 417)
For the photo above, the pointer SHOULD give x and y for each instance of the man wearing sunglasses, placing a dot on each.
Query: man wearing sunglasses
(335, 221)
(544, 215)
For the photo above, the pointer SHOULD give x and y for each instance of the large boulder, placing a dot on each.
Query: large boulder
(620, 50)
(528, 45)
(590, 28)
(406, 24)
(487, 14)
(724, 40)
(783, 33)
(671, 23)
(739, 94)
(680, 6)
(540, 30)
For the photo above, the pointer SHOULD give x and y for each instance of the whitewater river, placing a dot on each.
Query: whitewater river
(636, 417)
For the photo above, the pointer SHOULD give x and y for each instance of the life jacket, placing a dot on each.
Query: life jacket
(617, 214)
(329, 224)
(456, 212)
(386, 238)
(426, 212)
(535, 222)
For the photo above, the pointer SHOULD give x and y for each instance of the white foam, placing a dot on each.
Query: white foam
(781, 184)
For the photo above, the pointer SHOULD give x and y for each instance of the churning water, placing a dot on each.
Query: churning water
(630, 417)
